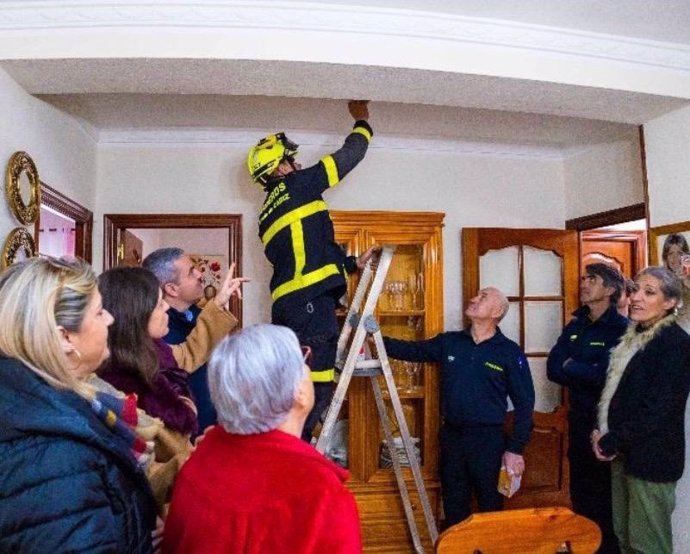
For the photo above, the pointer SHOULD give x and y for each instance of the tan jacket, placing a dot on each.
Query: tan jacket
(211, 327)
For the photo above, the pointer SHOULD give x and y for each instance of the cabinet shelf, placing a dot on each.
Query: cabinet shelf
(401, 313)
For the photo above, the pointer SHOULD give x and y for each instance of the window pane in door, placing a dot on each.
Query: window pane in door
(543, 323)
(510, 324)
(499, 268)
(547, 394)
(543, 270)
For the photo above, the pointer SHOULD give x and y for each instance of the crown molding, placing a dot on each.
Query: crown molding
(51, 15)
(246, 137)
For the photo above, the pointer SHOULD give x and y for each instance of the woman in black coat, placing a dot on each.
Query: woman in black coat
(71, 469)
(641, 423)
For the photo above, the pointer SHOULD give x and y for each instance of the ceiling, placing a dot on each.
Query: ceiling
(121, 96)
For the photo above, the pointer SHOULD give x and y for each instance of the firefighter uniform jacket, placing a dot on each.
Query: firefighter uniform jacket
(296, 229)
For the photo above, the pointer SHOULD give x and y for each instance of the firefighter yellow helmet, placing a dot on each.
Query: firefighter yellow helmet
(265, 157)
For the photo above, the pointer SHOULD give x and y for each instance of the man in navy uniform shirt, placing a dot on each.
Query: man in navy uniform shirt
(480, 369)
(579, 361)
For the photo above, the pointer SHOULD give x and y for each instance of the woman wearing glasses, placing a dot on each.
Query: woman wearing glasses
(252, 485)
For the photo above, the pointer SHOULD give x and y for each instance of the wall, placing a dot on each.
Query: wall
(604, 177)
(667, 143)
(64, 153)
(473, 190)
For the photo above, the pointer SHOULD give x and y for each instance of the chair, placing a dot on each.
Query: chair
(526, 531)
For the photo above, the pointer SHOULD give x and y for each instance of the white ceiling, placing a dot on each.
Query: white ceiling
(118, 93)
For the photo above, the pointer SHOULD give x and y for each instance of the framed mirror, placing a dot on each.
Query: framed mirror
(22, 187)
(667, 243)
(128, 238)
(19, 245)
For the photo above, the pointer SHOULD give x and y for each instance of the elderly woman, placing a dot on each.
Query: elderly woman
(72, 472)
(252, 485)
(642, 415)
(141, 362)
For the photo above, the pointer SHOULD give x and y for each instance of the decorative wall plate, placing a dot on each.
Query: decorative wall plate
(19, 245)
(21, 167)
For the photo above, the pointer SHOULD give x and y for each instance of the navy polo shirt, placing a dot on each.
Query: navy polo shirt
(477, 379)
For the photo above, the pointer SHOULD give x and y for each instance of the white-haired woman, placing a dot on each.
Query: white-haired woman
(252, 485)
(642, 415)
(71, 466)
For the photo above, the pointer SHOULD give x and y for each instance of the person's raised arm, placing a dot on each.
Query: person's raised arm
(214, 322)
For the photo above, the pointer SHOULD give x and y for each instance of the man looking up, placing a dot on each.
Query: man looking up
(480, 368)
(579, 361)
(309, 268)
(183, 287)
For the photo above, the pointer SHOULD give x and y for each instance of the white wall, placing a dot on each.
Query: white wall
(667, 144)
(64, 154)
(473, 190)
(604, 177)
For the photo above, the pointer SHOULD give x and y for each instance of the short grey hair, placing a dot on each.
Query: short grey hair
(253, 377)
(161, 263)
(669, 283)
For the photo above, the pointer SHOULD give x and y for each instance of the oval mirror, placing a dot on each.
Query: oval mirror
(22, 187)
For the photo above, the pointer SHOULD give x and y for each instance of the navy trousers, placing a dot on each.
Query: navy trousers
(590, 481)
(470, 463)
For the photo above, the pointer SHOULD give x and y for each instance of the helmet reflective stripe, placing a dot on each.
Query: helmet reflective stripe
(264, 158)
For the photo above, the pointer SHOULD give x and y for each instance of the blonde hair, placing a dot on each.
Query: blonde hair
(37, 296)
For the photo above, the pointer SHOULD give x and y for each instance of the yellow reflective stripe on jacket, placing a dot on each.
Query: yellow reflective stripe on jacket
(331, 170)
(364, 132)
(306, 280)
(325, 376)
(297, 232)
(290, 217)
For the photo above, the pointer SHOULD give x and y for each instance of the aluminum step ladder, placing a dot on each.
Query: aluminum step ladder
(364, 325)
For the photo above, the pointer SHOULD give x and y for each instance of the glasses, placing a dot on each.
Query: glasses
(306, 354)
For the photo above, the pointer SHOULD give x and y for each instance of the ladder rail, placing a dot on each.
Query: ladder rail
(364, 325)
(397, 467)
(405, 435)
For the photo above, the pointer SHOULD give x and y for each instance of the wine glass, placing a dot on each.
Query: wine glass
(412, 369)
(390, 288)
(413, 287)
(400, 290)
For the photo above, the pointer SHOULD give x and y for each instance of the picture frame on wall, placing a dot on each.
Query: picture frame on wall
(213, 269)
(675, 237)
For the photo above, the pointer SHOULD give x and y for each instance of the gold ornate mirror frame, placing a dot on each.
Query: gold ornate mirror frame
(18, 240)
(21, 163)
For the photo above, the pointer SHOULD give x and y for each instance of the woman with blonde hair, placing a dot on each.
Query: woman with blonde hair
(71, 465)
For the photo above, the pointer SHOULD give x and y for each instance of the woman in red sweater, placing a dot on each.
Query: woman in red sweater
(252, 486)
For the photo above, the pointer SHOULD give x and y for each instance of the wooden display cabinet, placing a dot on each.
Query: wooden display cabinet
(411, 307)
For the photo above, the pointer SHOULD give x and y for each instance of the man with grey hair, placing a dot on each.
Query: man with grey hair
(183, 287)
(480, 369)
(252, 484)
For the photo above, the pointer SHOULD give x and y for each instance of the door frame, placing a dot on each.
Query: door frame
(82, 217)
(115, 224)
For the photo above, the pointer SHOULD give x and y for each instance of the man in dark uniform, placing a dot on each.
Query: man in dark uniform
(480, 369)
(579, 361)
(309, 268)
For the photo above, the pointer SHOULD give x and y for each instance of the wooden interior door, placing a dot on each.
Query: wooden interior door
(626, 251)
(132, 248)
(537, 269)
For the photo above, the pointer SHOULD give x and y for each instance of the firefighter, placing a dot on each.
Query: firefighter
(309, 268)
